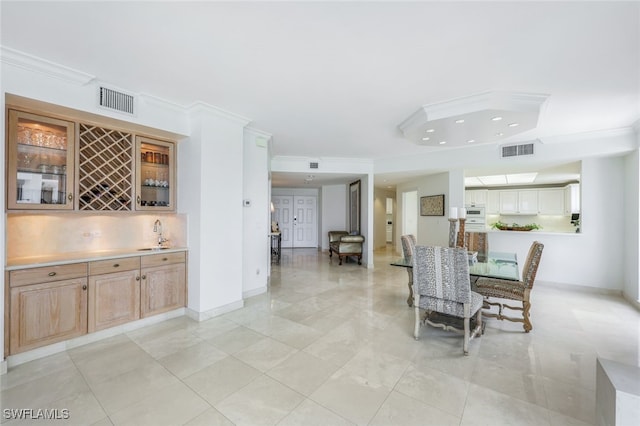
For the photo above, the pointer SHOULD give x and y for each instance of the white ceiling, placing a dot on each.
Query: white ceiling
(335, 79)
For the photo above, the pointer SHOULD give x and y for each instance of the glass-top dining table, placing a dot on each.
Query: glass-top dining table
(497, 265)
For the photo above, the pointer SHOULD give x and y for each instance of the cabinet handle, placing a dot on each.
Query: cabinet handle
(70, 197)
(164, 259)
(52, 274)
(144, 277)
(117, 265)
(84, 287)
(138, 278)
(138, 199)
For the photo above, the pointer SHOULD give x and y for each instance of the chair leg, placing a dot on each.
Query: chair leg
(465, 344)
(416, 330)
(526, 306)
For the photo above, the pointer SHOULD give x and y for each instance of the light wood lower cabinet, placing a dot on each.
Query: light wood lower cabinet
(114, 292)
(114, 299)
(162, 288)
(42, 314)
(51, 304)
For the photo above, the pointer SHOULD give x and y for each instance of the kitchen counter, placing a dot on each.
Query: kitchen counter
(63, 258)
(534, 232)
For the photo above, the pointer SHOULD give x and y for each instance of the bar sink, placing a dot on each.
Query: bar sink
(153, 248)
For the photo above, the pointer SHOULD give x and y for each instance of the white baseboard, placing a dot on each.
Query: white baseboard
(3, 367)
(55, 348)
(634, 303)
(203, 316)
(254, 292)
(582, 288)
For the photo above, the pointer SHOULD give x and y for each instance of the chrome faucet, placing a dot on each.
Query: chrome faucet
(157, 227)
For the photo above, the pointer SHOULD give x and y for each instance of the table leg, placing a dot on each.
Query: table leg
(410, 299)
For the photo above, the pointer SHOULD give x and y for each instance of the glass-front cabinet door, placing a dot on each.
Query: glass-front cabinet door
(155, 175)
(40, 162)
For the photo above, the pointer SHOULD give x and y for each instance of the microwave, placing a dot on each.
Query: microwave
(475, 212)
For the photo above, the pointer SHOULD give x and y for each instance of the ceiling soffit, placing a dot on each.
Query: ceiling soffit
(479, 119)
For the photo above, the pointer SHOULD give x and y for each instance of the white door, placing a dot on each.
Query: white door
(283, 216)
(410, 213)
(297, 219)
(305, 223)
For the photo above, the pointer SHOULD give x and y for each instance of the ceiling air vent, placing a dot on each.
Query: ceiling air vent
(118, 101)
(517, 150)
(313, 165)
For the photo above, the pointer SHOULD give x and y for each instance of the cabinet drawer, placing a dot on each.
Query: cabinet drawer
(100, 267)
(47, 274)
(163, 259)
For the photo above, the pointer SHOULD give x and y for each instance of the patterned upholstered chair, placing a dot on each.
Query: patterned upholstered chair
(478, 241)
(408, 243)
(513, 290)
(441, 287)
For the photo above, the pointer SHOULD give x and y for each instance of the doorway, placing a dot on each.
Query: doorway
(297, 219)
(389, 219)
(410, 213)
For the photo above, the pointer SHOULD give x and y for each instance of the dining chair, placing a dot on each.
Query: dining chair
(478, 242)
(441, 287)
(513, 290)
(408, 243)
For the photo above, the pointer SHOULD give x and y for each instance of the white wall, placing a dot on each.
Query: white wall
(333, 213)
(256, 256)
(216, 212)
(632, 230)
(432, 230)
(595, 256)
(380, 216)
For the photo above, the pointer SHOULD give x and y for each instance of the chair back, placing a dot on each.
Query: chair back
(531, 264)
(408, 243)
(478, 241)
(442, 273)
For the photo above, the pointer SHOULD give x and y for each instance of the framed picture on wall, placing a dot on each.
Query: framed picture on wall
(354, 207)
(432, 205)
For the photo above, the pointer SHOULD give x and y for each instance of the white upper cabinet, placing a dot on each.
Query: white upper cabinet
(551, 201)
(475, 197)
(493, 202)
(519, 202)
(572, 199)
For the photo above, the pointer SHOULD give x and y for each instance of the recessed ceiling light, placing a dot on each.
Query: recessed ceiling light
(471, 141)
(426, 139)
(499, 134)
(442, 142)
(459, 121)
(431, 130)
(497, 118)
(514, 124)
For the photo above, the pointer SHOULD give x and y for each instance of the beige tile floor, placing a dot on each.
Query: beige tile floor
(333, 345)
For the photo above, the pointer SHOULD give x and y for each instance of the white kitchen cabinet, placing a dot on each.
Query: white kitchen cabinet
(551, 201)
(493, 202)
(519, 201)
(475, 197)
(572, 199)
(528, 201)
(508, 202)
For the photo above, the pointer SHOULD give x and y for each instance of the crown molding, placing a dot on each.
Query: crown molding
(586, 136)
(258, 133)
(202, 107)
(160, 102)
(42, 66)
